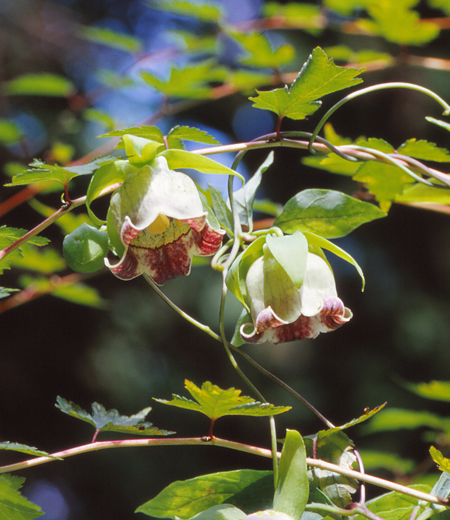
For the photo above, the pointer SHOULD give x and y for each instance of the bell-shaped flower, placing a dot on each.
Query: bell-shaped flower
(291, 298)
(159, 218)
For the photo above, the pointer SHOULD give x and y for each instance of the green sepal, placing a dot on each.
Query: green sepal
(323, 243)
(292, 491)
(214, 402)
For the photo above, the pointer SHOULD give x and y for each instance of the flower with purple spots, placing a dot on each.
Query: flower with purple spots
(159, 218)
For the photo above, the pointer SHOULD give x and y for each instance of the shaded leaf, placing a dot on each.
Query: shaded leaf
(14, 506)
(390, 461)
(184, 499)
(110, 420)
(106, 176)
(327, 213)
(9, 235)
(110, 38)
(442, 487)
(367, 415)
(46, 261)
(424, 150)
(221, 209)
(203, 11)
(292, 492)
(112, 79)
(318, 77)
(214, 402)
(301, 15)
(397, 418)
(81, 294)
(9, 132)
(5, 292)
(99, 116)
(23, 448)
(40, 84)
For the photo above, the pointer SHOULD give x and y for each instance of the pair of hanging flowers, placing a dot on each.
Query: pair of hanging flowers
(160, 220)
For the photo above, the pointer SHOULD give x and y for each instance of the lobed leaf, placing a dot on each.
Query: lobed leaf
(110, 420)
(110, 38)
(214, 402)
(23, 448)
(184, 499)
(421, 149)
(442, 462)
(327, 213)
(14, 506)
(189, 133)
(46, 261)
(319, 76)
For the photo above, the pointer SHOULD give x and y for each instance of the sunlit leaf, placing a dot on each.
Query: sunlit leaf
(14, 506)
(110, 38)
(194, 43)
(292, 491)
(418, 192)
(214, 402)
(318, 77)
(421, 149)
(437, 390)
(203, 11)
(248, 80)
(153, 133)
(189, 133)
(40, 84)
(345, 53)
(9, 132)
(81, 294)
(46, 261)
(67, 222)
(301, 15)
(397, 419)
(99, 116)
(327, 213)
(110, 420)
(368, 414)
(442, 462)
(377, 144)
(184, 499)
(9, 235)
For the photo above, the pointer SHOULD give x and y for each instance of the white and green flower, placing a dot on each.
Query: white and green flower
(159, 218)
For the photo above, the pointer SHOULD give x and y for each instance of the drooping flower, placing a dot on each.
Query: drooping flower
(282, 312)
(159, 218)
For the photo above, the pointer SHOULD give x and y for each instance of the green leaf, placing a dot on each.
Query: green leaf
(41, 172)
(420, 193)
(9, 235)
(442, 462)
(188, 133)
(245, 196)
(184, 499)
(5, 292)
(9, 132)
(247, 81)
(46, 261)
(152, 133)
(301, 15)
(178, 159)
(384, 181)
(424, 150)
(110, 38)
(14, 506)
(388, 461)
(85, 249)
(41, 84)
(376, 144)
(292, 492)
(336, 448)
(367, 415)
(221, 210)
(327, 213)
(318, 77)
(23, 448)
(323, 243)
(442, 487)
(437, 390)
(112, 79)
(214, 402)
(394, 505)
(110, 420)
(67, 222)
(397, 419)
(190, 82)
(80, 294)
(260, 52)
(99, 116)
(203, 11)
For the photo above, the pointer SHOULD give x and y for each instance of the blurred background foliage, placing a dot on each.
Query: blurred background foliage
(71, 70)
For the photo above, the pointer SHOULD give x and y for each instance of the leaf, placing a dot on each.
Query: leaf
(442, 487)
(178, 159)
(437, 390)
(424, 150)
(14, 506)
(5, 292)
(367, 415)
(214, 402)
(184, 499)
(23, 448)
(9, 132)
(388, 461)
(110, 38)
(291, 494)
(9, 235)
(204, 11)
(110, 420)
(191, 134)
(319, 76)
(112, 79)
(299, 15)
(80, 294)
(327, 213)
(221, 210)
(442, 462)
(99, 116)
(245, 196)
(46, 261)
(259, 51)
(336, 448)
(40, 84)
(221, 512)
(418, 192)
(323, 243)
(384, 181)
(394, 505)
(190, 82)
(397, 418)
(153, 133)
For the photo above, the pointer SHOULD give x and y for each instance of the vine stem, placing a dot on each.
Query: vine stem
(215, 441)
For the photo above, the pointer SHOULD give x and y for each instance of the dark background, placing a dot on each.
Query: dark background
(137, 348)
